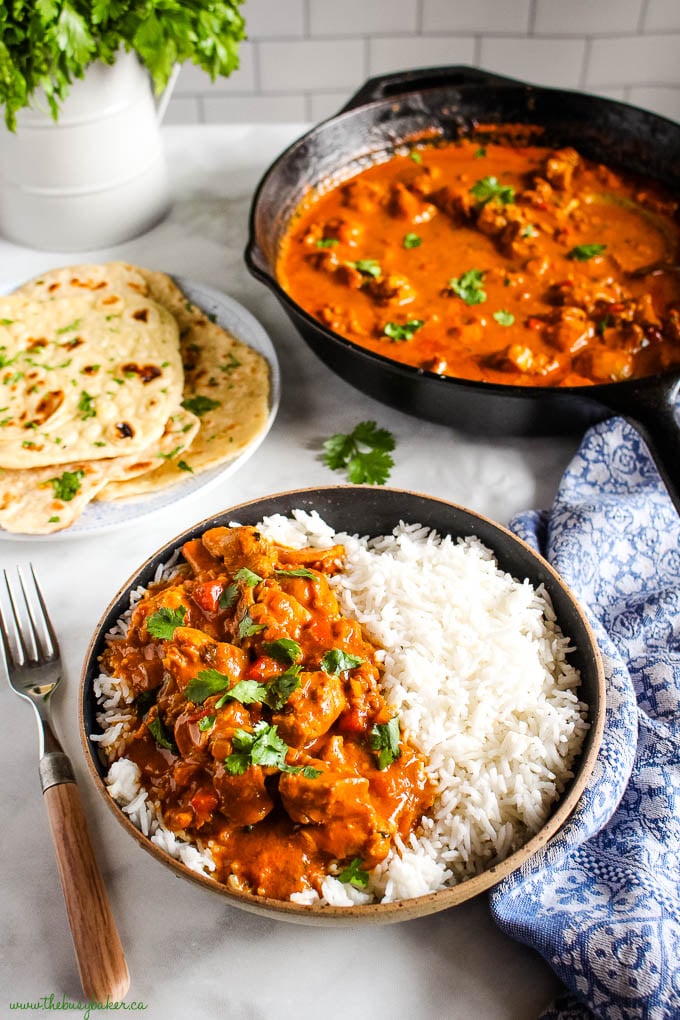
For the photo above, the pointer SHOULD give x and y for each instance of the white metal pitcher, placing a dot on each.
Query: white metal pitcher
(94, 178)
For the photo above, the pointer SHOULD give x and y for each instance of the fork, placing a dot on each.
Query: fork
(29, 653)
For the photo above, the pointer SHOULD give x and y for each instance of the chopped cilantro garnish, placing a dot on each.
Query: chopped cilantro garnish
(504, 318)
(67, 485)
(247, 627)
(228, 596)
(327, 242)
(205, 684)
(354, 874)
(284, 650)
(157, 731)
(279, 690)
(367, 267)
(603, 324)
(162, 624)
(261, 747)
(249, 578)
(86, 406)
(206, 723)
(489, 189)
(384, 738)
(415, 156)
(412, 240)
(529, 231)
(480, 152)
(70, 328)
(585, 252)
(363, 452)
(183, 466)
(404, 331)
(468, 287)
(336, 661)
(296, 572)
(199, 404)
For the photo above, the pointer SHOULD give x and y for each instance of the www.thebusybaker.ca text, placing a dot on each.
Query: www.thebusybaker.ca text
(54, 1002)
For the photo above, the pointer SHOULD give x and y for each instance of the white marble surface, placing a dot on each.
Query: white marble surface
(191, 955)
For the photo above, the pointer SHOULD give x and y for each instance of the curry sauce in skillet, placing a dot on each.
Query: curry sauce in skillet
(505, 263)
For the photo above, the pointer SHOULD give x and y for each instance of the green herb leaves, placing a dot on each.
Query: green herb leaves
(384, 739)
(284, 650)
(199, 404)
(262, 747)
(364, 453)
(367, 267)
(504, 318)
(336, 661)
(468, 287)
(354, 874)
(489, 189)
(395, 331)
(586, 252)
(67, 485)
(51, 42)
(412, 241)
(162, 623)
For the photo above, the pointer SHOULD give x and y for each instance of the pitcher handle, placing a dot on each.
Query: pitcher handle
(164, 97)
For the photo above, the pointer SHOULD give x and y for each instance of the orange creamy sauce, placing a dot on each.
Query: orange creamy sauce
(327, 800)
(503, 263)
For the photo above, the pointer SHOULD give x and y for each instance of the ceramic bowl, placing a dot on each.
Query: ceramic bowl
(374, 511)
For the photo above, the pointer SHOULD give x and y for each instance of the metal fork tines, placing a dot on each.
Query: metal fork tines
(33, 664)
(29, 655)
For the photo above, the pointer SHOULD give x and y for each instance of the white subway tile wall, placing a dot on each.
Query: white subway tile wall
(305, 58)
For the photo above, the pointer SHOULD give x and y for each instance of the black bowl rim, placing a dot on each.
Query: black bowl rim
(377, 913)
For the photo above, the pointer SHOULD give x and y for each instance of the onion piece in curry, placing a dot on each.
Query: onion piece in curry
(504, 263)
(263, 734)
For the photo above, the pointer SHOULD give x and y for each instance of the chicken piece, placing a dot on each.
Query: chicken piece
(522, 358)
(338, 807)
(281, 614)
(540, 196)
(391, 290)
(570, 330)
(192, 650)
(457, 203)
(362, 196)
(339, 320)
(560, 167)
(325, 260)
(239, 547)
(404, 204)
(350, 276)
(346, 231)
(231, 717)
(244, 799)
(606, 365)
(327, 560)
(311, 709)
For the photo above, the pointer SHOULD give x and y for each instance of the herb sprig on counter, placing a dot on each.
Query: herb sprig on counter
(364, 453)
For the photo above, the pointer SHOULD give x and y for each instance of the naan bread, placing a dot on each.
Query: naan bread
(85, 377)
(39, 501)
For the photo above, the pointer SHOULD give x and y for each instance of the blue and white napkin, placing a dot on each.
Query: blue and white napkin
(601, 903)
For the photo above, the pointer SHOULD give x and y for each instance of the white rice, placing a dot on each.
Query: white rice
(475, 666)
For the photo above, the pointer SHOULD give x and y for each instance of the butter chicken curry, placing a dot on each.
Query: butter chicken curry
(507, 263)
(263, 734)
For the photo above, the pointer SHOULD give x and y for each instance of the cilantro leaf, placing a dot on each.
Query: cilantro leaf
(296, 572)
(67, 485)
(86, 405)
(367, 267)
(199, 404)
(403, 331)
(206, 723)
(468, 287)
(364, 453)
(157, 731)
(489, 189)
(336, 661)
(247, 626)
(284, 650)
(262, 747)
(327, 242)
(384, 738)
(354, 874)
(249, 578)
(228, 596)
(586, 252)
(279, 690)
(205, 684)
(504, 318)
(162, 623)
(412, 240)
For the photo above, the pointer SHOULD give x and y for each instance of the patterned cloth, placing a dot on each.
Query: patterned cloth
(601, 902)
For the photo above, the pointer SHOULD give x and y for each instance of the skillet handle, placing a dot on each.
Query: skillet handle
(649, 406)
(386, 85)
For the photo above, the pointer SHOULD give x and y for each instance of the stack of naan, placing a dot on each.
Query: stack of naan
(113, 385)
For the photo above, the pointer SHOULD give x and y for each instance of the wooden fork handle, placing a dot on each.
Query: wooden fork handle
(99, 953)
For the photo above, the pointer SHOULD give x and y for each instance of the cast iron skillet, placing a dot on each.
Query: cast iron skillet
(388, 111)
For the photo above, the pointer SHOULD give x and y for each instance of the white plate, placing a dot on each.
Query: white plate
(104, 516)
